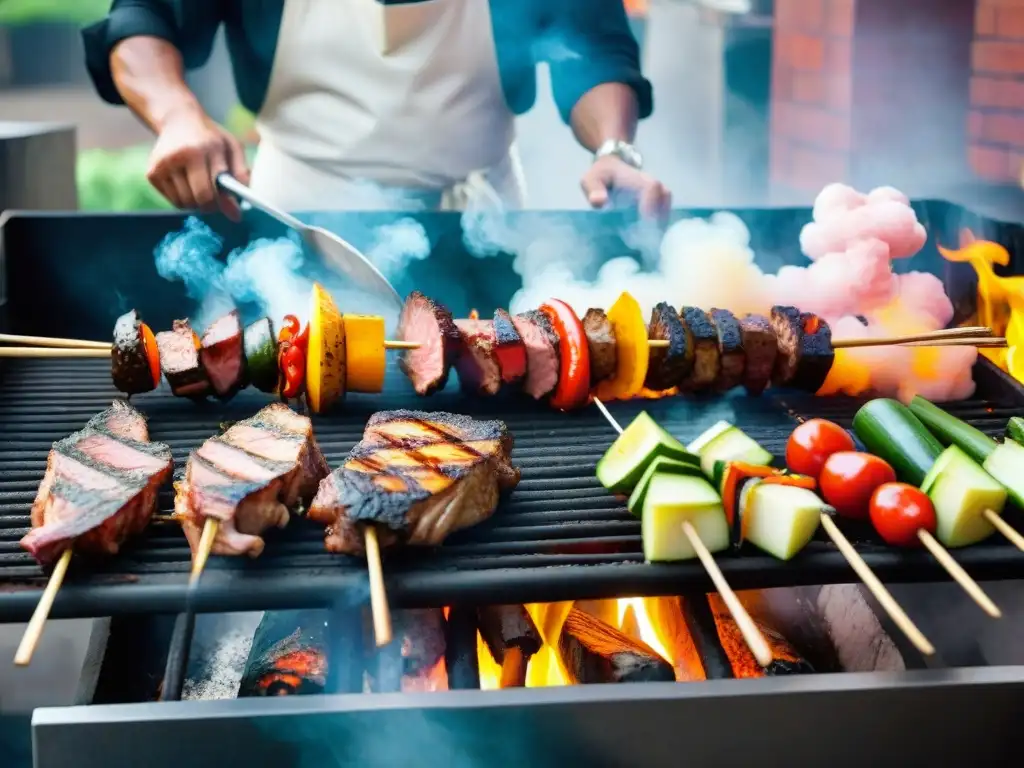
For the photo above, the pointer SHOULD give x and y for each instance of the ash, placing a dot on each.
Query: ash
(220, 647)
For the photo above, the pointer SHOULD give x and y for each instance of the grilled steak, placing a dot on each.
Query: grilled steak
(179, 357)
(706, 357)
(129, 358)
(100, 486)
(541, 353)
(431, 325)
(249, 478)
(509, 348)
(805, 349)
(668, 365)
(761, 348)
(222, 355)
(730, 348)
(601, 344)
(418, 477)
(478, 364)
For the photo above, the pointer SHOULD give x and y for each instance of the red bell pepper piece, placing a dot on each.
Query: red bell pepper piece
(573, 389)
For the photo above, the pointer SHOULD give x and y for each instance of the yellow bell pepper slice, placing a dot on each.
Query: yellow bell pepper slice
(365, 360)
(632, 349)
(325, 359)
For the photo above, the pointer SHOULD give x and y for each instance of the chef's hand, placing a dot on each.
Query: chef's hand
(190, 151)
(611, 174)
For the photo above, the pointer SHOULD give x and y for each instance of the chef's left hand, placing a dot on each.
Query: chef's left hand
(610, 173)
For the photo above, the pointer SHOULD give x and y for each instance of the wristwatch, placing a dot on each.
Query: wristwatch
(623, 150)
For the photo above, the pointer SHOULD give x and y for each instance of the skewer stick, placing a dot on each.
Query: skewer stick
(378, 594)
(394, 344)
(37, 623)
(751, 634)
(209, 536)
(513, 668)
(973, 332)
(1004, 528)
(53, 352)
(47, 341)
(979, 341)
(882, 595)
(960, 576)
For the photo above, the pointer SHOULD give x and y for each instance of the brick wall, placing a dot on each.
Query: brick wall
(996, 119)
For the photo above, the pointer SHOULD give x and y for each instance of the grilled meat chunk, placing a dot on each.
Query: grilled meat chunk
(805, 349)
(431, 325)
(179, 357)
(668, 365)
(129, 357)
(222, 355)
(601, 345)
(249, 478)
(509, 348)
(478, 364)
(761, 348)
(100, 486)
(541, 353)
(418, 476)
(730, 349)
(706, 357)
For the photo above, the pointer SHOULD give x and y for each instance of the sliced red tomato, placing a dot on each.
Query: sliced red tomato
(812, 443)
(899, 511)
(850, 478)
(573, 389)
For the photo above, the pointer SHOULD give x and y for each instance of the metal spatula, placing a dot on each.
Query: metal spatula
(335, 252)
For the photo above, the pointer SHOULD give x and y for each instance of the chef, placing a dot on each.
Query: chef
(377, 103)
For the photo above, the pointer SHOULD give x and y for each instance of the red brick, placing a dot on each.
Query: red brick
(801, 52)
(840, 17)
(991, 164)
(809, 88)
(975, 124)
(995, 92)
(1003, 129)
(1009, 23)
(811, 125)
(985, 18)
(799, 15)
(993, 56)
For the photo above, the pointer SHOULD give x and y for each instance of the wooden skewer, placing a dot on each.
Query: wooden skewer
(378, 594)
(972, 332)
(47, 341)
(1004, 528)
(513, 668)
(203, 550)
(882, 595)
(960, 576)
(980, 341)
(37, 623)
(53, 352)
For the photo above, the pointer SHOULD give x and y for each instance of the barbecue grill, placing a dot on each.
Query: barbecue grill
(559, 537)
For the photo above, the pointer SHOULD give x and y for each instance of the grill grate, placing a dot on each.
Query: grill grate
(559, 536)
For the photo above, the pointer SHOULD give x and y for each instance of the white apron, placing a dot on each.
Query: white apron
(374, 106)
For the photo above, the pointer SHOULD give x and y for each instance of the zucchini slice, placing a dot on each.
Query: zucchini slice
(625, 462)
(1006, 464)
(725, 442)
(661, 465)
(780, 519)
(672, 500)
(961, 491)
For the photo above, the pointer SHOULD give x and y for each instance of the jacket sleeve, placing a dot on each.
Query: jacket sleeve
(588, 43)
(189, 25)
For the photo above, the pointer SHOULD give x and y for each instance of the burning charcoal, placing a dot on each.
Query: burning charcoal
(411, 661)
(630, 625)
(786, 660)
(594, 652)
(512, 638)
(288, 656)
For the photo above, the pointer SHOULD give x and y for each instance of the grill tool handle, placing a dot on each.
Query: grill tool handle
(230, 184)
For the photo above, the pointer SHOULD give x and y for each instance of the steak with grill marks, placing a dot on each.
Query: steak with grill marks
(100, 486)
(418, 477)
(249, 478)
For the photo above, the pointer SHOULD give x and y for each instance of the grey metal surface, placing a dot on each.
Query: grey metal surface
(37, 167)
(941, 718)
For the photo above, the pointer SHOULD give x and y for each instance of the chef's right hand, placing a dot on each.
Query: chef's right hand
(191, 151)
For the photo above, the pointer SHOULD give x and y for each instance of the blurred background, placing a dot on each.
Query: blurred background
(756, 100)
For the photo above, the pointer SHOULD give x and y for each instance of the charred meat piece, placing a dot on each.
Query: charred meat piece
(601, 345)
(418, 476)
(509, 348)
(431, 325)
(541, 353)
(100, 486)
(478, 369)
(595, 652)
(249, 478)
(805, 349)
(668, 365)
(129, 356)
(222, 355)
(179, 357)
(506, 629)
(730, 349)
(761, 348)
(706, 357)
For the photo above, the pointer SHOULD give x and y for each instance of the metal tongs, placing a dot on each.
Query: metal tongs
(331, 249)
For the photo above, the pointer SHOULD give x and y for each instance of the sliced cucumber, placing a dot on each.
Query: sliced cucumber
(661, 465)
(707, 436)
(1015, 429)
(960, 492)
(671, 501)
(937, 468)
(1006, 464)
(890, 431)
(731, 444)
(780, 519)
(640, 443)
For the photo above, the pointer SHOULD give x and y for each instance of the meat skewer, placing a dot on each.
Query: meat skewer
(512, 638)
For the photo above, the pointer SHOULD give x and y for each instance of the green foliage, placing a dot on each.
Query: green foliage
(14, 12)
(116, 181)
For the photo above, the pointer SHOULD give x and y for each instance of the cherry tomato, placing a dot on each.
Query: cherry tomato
(898, 511)
(812, 443)
(849, 479)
